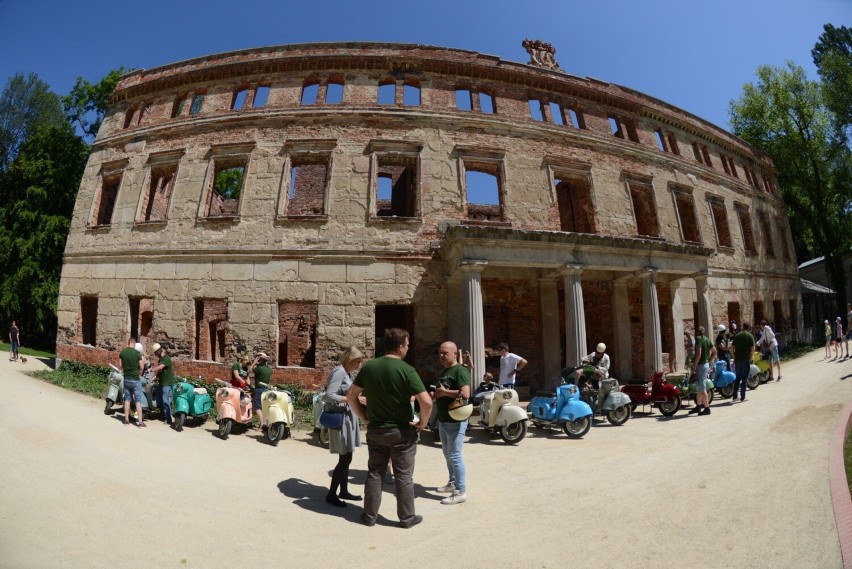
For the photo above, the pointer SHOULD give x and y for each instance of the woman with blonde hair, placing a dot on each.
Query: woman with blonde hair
(344, 440)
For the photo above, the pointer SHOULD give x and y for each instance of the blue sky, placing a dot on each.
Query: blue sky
(694, 55)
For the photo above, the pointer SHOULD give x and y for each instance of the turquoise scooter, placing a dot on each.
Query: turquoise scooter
(563, 409)
(190, 400)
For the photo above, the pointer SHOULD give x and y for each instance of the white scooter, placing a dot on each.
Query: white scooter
(500, 412)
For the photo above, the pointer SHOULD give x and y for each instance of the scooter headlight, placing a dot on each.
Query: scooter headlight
(572, 390)
(507, 395)
(271, 395)
(223, 393)
(179, 388)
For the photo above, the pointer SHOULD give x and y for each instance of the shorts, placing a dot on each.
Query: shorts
(133, 390)
(14, 346)
(773, 355)
(701, 377)
(849, 334)
(256, 396)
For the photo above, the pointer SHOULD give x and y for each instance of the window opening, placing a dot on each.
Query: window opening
(306, 194)
(395, 316)
(642, 197)
(397, 188)
(107, 198)
(228, 179)
(794, 324)
(463, 100)
(483, 193)
(556, 114)
(734, 312)
(197, 102)
(785, 247)
(334, 93)
(411, 95)
(574, 199)
(142, 320)
(615, 127)
(211, 324)
(661, 141)
(688, 221)
(89, 319)
(672, 140)
(745, 225)
(160, 184)
(128, 116)
(239, 99)
(706, 155)
(297, 334)
(767, 233)
(309, 94)
(536, 112)
(387, 93)
(178, 105)
(486, 103)
(576, 119)
(261, 96)
(720, 221)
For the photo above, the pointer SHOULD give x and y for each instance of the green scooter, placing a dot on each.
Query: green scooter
(688, 385)
(190, 400)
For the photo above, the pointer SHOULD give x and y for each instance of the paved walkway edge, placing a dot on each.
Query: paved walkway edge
(840, 497)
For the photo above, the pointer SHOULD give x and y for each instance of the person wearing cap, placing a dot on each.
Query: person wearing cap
(453, 383)
(705, 351)
(132, 363)
(166, 376)
(600, 359)
(767, 337)
(262, 373)
(510, 365)
(239, 372)
(723, 343)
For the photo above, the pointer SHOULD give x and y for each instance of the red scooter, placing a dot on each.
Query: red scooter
(658, 393)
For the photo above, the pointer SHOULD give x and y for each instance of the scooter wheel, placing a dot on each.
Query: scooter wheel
(513, 433)
(225, 428)
(180, 419)
(277, 431)
(324, 436)
(108, 406)
(577, 429)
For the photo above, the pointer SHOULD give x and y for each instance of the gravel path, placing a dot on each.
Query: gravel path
(744, 487)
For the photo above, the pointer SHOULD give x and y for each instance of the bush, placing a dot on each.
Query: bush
(77, 376)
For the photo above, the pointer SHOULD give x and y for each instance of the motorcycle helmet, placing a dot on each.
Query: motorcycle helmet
(461, 413)
(601, 348)
(156, 347)
(721, 327)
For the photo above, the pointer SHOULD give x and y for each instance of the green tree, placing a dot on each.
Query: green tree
(832, 56)
(785, 114)
(41, 185)
(86, 104)
(25, 104)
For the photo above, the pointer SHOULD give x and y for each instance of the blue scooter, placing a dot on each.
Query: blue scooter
(191, 400)
(723, 380)
(562, 409)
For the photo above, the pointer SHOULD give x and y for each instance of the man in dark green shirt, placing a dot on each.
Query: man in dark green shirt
(704, 352)
(743, 356)
(389, 385)
(166, 376)
(453, 383)
(132, 364)
(262, 374)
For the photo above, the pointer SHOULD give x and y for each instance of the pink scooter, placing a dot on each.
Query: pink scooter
(233, 405)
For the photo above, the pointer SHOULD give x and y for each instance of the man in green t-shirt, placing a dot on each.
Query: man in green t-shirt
(131, 365)
(239, 373)
(389, 385)
(166, 376)
(262, 374)
(704, 352)
(453, 383)
(743, 356)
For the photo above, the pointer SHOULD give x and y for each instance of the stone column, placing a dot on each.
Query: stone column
(651, 323)
(456, 330)
(679, 360)
(474, 324)
(551, 351)
(705, 315)
(575, 317)
(623, 364)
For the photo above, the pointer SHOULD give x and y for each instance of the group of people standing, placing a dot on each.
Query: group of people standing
(736, 349)
(839, 339)
(133, 363)
(383, 396)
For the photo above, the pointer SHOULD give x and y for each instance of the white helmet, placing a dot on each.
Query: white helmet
(461, 413)
(721, 327)
(601, 348)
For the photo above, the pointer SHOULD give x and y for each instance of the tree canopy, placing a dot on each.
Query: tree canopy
(25, 104)
(86, 104)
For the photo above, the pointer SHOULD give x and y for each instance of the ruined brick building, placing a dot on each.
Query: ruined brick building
(299, 199)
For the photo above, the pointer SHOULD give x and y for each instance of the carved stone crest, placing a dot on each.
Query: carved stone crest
(541, 54)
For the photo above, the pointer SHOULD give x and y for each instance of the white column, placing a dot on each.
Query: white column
(651, 323)
(474, 329)
(575, 317)
(456, 331)
(551, 353)
(679, 360)
(623, 364)
(705, 315)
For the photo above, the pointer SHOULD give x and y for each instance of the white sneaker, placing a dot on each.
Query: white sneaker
(455, 498)
(449, 488)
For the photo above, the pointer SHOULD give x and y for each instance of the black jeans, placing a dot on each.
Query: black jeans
(400, 446)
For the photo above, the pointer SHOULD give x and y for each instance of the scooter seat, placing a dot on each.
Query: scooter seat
(545, 393)
(199, 391)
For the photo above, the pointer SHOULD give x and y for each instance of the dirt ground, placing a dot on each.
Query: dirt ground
(746, 486)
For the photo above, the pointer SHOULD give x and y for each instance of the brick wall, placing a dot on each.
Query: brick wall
(155, 201)
(308, 187)
(297, 334)
(211, 324)
(512, 313)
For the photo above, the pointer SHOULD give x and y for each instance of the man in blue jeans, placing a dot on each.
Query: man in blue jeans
(743, 356)
(453, 383)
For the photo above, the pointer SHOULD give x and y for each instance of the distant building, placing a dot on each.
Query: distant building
(299, 199)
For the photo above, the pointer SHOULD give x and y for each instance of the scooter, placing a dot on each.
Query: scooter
(115, 391)
(233, 405)
(723, 380)
(190, 400)
(688, 386)
(601, 393)
(658, 393)
(563, 409)
(479, 393)
(501, 413)
(763, 371)
(278, 411)
(323, 434)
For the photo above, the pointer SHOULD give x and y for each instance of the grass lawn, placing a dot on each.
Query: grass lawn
(4, 347)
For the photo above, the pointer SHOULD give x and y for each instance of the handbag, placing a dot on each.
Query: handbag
(459, 409)
(331, 420)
